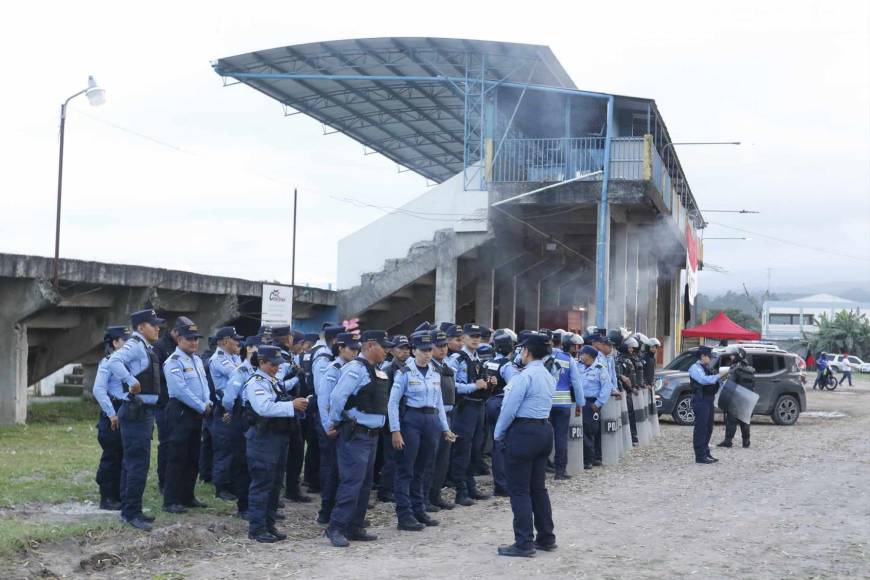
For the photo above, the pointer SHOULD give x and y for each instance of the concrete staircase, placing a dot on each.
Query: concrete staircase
(405, 287)
(72, 385)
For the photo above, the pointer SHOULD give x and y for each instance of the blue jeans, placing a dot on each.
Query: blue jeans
(136, 432)
(356, 463)
(527, 448)
(420, 432)
(560, 417)
(493, 410)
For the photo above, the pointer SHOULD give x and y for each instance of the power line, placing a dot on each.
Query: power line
(792, 243)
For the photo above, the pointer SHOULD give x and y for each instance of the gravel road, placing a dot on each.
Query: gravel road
(796, 504)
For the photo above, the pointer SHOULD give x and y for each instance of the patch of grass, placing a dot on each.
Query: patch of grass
(63, 412)
(16, 535)
(53, 459)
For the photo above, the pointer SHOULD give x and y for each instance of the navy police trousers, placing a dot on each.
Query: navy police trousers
(137, 426)
(421, 432)
(527, 448)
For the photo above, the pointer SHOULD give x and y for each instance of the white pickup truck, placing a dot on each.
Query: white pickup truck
(839, 363)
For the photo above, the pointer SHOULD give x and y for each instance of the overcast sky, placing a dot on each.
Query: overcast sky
(179, 172)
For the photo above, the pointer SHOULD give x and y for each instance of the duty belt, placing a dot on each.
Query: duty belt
(530, 420)
(424, 410)
(366, 430)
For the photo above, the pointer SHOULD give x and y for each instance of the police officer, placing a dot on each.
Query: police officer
(206, 447)
(348, 347)
(705, 383)
(523, 426)
(267, 436)
(321, 358)
(743, 374)
(164, 347)
(385, 464)
(415, 430)
(454, 338)
(110, 394)
(627, 374)
(649, 361)
(435, 477)
(234, 404)
(289, 376)
(606, 389)
(498, 372)
(188, 405)
(222, 364)
(596, 386)
(357, 411)
(567, 399)
(136, 366)
(471, 390)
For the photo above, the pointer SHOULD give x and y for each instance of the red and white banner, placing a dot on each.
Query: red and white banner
(691, 263)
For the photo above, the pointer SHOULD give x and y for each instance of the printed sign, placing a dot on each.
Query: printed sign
(277, 307)
(611, 426)
(576, 432)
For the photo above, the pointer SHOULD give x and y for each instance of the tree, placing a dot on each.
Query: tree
(747, 321)
(846, 332)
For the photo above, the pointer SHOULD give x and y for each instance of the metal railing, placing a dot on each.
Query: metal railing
(545, 160)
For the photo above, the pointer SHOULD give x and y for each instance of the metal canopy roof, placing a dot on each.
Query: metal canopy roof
(405, 98)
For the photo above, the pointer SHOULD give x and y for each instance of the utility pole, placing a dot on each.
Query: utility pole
(293, 266)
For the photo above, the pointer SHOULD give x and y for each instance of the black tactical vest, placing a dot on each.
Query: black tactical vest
(373, 397)
(448, 383)
(744, 375)
(492, 368)
(283, 425)
(473, 372)
(149, 378)
(707, 390)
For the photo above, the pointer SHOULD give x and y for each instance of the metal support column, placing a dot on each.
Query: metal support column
(602, 253)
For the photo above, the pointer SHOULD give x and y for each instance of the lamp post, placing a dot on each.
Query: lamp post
(96, 97)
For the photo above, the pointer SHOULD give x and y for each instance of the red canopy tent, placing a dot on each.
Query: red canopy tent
(722, 327)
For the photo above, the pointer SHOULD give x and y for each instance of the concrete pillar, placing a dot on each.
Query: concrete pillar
(616, 303)
(13, 375)
(632, 277)
(446, 274)
(483, 297)
(507, 303)
(652, 299)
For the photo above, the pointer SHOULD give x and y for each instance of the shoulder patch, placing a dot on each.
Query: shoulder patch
(175, 370)
(174, 356)
(259, 391)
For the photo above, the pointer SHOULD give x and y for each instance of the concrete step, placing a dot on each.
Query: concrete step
(68, 390)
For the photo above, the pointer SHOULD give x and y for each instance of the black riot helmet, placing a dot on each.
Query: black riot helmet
(504, 340)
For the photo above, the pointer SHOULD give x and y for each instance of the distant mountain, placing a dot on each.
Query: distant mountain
(848, 290)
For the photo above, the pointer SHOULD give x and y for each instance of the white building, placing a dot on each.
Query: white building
(790, 319)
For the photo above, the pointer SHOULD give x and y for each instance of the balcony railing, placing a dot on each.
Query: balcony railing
(546, 160)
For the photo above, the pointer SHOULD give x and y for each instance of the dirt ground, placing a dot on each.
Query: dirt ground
(796, 504)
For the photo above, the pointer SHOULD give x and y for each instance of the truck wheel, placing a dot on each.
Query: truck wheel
(683, 413)
(786, 410)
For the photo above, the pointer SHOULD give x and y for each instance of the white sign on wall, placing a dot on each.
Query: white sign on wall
(277, 305)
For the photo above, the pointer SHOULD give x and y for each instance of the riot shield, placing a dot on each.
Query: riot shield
(575, 444)
(626, 431)
(640, 416)
(653, 414)
(737, 401)
(611, 436)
